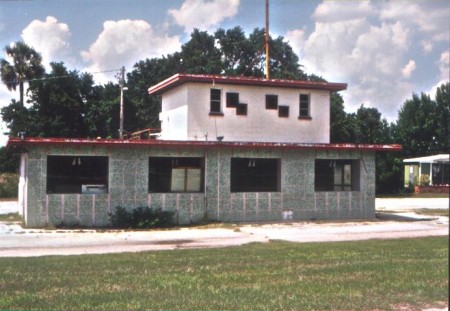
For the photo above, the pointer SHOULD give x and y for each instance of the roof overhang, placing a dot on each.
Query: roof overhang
(18, 145)
(438, 158)
(180, 79)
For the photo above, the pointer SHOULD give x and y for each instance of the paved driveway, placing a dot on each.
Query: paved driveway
(16, 241)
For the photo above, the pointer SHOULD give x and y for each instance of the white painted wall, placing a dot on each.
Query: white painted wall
(174, 115)
(259, 125)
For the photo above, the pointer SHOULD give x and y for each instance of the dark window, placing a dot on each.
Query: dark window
(175, 174)
(336, 175)
(77, 174)
(232, 100)
(304, 106)
(283, 111)
(215, 101)
(241, 109)
(272, 102)
(255, 175)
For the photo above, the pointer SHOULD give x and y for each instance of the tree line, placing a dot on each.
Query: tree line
(68, 103)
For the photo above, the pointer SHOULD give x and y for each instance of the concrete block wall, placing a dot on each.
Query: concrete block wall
(128, 187)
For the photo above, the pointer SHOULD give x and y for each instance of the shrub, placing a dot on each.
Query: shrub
(424, 180)
(8, 185)
(141, 218)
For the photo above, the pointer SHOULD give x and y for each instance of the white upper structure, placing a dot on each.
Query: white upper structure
(208, 107)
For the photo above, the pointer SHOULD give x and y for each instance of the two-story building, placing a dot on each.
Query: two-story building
(230, 149)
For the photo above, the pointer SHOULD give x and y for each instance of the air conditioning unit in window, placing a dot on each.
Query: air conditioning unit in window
(93, 189)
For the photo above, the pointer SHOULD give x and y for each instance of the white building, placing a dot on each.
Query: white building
(208, 107)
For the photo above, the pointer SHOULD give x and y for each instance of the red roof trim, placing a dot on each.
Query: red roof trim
(179, 79)
(15, 143)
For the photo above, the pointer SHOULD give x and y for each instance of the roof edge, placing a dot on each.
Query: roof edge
(16, 144)
(181, 78)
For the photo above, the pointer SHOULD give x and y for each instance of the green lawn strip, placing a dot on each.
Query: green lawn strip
(11, 217)
(363, 275)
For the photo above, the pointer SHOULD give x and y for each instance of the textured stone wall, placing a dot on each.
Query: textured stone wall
(128, 187)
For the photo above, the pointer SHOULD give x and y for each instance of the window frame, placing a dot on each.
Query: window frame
(215, 102)
(283, 111)
(301, 113)
(255, 175)
(161, 174)
(326, 171)
(77, 174)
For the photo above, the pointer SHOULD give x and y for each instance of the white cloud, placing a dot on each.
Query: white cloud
(427, 46)
(50, 38)
(408, 69)
(124, 42)
(204, 14)
(296, 39)
(368, 45)
(444, 64)
(420, 15)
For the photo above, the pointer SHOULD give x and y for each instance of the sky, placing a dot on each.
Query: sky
(385, 50)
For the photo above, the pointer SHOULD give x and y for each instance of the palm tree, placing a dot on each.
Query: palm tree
(25, 65)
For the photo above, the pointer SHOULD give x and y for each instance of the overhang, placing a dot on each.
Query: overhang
(18, 145)
(180, 79)
(438, 158)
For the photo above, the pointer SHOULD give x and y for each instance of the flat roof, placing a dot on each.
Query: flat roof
(181, 78)
(16, 144)
(438, 158)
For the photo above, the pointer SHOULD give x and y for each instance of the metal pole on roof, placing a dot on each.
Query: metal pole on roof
(267, 40)
(122, 88)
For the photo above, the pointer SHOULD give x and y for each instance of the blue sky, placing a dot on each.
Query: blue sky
(384, 50)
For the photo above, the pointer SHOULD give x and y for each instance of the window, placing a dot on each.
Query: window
(232, 100)
(77, 174)
(215, 99)
(272, 102)
(336, 175)
(241, 109)
(175, 174)
(255, 175)
(283, 111)
(304, 107)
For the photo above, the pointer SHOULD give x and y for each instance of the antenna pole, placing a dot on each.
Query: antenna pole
(267, 40)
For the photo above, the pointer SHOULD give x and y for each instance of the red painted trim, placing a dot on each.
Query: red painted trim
(179, 79)
(17, 144)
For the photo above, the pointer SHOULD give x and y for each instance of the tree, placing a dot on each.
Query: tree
(417, 126)
(25, 65)
(442, 118)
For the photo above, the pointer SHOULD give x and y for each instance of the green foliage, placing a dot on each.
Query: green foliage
(9, 163)
(407, 274)
(8, 185)
(141, 218)
(424, 180)
(26, 64)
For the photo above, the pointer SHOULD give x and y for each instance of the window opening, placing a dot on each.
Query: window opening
(175, 174)
(304, 106)
(272, 102)
(336, 175)
(232, 100)
(77, 174)
(283, 111)
(241, 109)
(215, 101)
(255, 175)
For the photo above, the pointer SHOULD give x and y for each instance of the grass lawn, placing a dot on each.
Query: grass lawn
(363, 275)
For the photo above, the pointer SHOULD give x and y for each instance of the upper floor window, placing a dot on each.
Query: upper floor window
(232, 100)
(305, 106)
(215, 102)
(272, 102)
